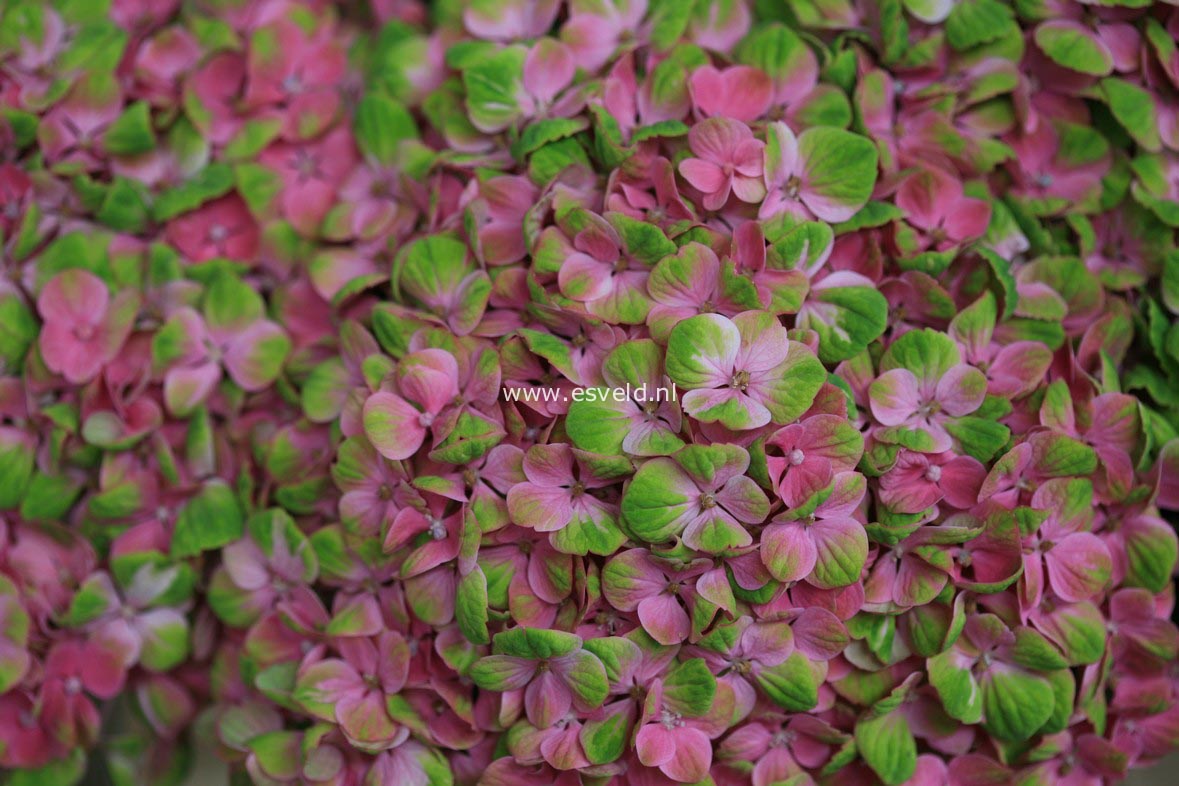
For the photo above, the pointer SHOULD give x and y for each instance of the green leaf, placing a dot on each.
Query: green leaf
(654, 502)
(1057, 455)
(847, 320)
(16, 467)
(605, 739)
(211, 519)
(894, 31)
(979, 438)
(587, 679)
(89, 603)
(554, 158)
(535, 643)
(131, 133)
(840, 171)
(668, 20)
(871, 215)
(665, 129)
(1064, 691)
(617, 654)
(258, 185)
(493, 84)
(928, 353)
(1151, 554)
(888, 747)
(776, 50)
(252, 139)
(644, 241)
(956, 687)
(231, 304)
(1015, 704)
(1033, 651)
(124, 208)
(431, 266)
(690, 687)
(165, 646)
(928, 11)
(381, 125)
(211, 182)
(66, 771)
(1071, 45)
(975, 22)
(473, 435)
(793, 685)
(49, 497)
(470, 607)
(542, 132)
(1135, 109)
(18, 329)
(96, 48)
(588, 535)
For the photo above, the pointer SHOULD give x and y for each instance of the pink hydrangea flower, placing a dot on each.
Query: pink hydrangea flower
(728, 160)
(85, 327)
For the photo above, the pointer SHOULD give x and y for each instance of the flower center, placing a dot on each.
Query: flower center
(292, 84)
(781, 739)
(577, 489)
(740, 381)
(84, 332)
(305, 166)
(380, 188)
(384, 493)
(796, 457)
(933, 474)
(670, 720)
(793, 186)
(707, 501)
(73, 685)
(437, 529)
(1044, 180)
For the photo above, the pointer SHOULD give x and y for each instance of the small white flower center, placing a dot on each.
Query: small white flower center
(670, 720)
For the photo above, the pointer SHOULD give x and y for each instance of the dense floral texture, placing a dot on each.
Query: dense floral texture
(588, 392)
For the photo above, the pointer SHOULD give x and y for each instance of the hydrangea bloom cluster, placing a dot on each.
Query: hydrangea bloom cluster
(313, 320)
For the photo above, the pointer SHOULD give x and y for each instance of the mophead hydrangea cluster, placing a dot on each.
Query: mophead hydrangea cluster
(589, 392)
